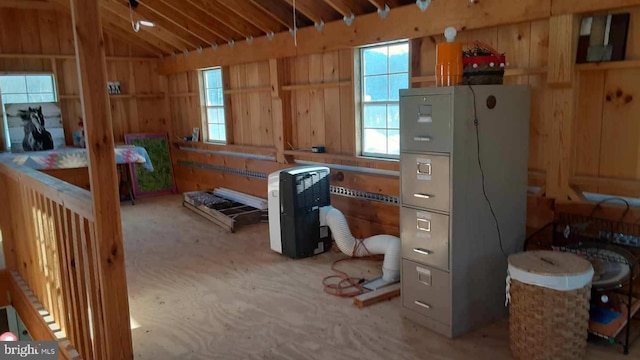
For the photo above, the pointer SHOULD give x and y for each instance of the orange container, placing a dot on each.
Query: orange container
(448, 64)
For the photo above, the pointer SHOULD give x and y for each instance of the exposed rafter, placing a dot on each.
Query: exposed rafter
(282, 12)
(255, 15)
(379, 4)
(123, 29)
(191, 18)
(215, 9)
(26, 4)
(120, 7)
(315, 10)
(341, 6)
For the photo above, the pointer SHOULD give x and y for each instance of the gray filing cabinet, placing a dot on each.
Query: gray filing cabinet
(453, 270)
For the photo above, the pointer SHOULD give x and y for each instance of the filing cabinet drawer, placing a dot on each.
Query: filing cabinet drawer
(425, 123)
(425, 237)
(425, 181)
(426, 291)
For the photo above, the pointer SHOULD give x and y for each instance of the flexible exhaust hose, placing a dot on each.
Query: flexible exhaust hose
(379, 244)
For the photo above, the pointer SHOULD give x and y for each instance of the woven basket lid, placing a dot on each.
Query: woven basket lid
(557, 270)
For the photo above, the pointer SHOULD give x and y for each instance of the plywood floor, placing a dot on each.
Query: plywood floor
(199, 293)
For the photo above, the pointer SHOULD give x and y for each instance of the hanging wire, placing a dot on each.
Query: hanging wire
(295, 26)
(134, 24)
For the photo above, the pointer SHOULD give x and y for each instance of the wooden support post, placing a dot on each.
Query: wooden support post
(280, 110)
(92, 72)
(562, 53)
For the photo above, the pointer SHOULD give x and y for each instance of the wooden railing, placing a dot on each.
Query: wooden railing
(50, 247)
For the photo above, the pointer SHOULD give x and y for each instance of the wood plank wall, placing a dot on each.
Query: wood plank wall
(142, 106)
(606, 147)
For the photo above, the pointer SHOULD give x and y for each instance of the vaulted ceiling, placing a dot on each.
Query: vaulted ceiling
(187, 25)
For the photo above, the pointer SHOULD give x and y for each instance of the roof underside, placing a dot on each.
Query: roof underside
(193, 24)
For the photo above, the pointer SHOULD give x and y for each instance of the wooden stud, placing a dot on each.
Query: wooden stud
(281, 12)
(103, 174)
(280, 110)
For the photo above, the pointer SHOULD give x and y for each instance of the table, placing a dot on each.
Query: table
(70, 158)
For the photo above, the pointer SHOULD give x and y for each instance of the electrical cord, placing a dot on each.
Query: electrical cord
(484, 190)
(348, 286)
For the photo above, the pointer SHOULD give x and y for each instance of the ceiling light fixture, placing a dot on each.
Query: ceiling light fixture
(146, 23)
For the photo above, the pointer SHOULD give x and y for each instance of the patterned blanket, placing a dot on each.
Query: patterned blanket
(68, 158)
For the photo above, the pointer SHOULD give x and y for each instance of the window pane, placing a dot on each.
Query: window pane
(393, 142)
(223, 132)
(214, 97)
(15, 98)
(13, 84)
(39, 84)
(375, 141)
(375, 88)
(397, 82)
(212, 115)
(41, 98)
(213, 78)
(393, 116)
(374, 60)
(214, 134)
(399, 58)
(375, 116)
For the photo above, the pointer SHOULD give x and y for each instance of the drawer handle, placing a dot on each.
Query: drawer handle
(421, 304)
(423, 251)
(423, 196)
(422, 138)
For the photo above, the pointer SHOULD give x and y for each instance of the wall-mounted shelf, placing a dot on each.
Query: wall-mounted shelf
(247, 90)
(507, 72)
(137, 96)
(186, 94)
(322, 85)
(608, 65)
(377, 163)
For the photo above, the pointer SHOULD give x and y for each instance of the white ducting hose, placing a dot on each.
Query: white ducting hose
(379, 244)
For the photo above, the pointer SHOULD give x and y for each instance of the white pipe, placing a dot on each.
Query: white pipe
(379, 244)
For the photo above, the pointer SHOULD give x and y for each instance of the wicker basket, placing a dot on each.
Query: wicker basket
(544, 323)
(482, 65)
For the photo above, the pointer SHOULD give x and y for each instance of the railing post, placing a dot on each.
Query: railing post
(92, 72)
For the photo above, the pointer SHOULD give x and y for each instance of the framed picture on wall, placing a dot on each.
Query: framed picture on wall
(161, 179)
(34, 127)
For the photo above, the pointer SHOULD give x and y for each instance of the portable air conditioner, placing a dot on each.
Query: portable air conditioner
(295, 198)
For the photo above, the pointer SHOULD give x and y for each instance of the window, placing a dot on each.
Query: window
(384, 71)
(26, 88)
(214, 105)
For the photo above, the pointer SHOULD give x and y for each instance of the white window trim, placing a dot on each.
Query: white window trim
(360, 103)
(205, 107)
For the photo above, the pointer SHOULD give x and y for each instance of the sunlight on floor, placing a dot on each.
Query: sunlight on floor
(134, 323)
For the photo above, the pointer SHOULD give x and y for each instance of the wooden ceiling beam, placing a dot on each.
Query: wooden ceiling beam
(255, 15)
(379, 4)
(341, 6)
(143, 13)
(126, 36)
(157, 31)
(216, 10)
(315, 10)
(404, 22)
(26, 4)
(189, 15)
(282, 12)
(204, 35)
(123, 28)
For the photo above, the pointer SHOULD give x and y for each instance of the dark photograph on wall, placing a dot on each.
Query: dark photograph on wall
(35, 127)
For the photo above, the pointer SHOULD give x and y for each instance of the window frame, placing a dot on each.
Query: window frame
(360, 96)
(205, 107)
(4, 126)
(54, 84)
